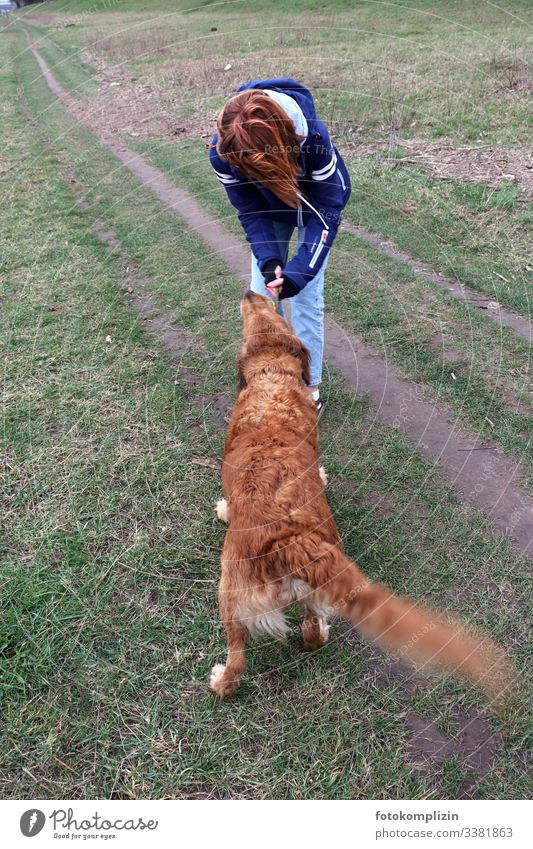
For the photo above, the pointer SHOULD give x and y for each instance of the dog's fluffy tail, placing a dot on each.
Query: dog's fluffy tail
(417, 633)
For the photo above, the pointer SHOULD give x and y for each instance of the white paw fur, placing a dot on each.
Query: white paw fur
(323, 475)
(324, 630)
(216, 674)
(222, 510)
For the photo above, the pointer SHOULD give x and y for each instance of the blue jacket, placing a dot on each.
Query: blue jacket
(324, 181)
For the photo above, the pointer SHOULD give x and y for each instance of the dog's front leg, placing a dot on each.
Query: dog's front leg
(225, 680)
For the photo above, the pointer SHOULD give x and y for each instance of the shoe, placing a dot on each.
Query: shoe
(319, 404)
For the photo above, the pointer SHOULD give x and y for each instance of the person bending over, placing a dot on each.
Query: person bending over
(281, 171)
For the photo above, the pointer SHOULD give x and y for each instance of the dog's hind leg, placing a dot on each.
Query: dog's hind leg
(315, 630)
(225, 680)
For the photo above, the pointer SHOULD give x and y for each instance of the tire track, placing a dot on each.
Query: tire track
(486, 477)
(521, 325)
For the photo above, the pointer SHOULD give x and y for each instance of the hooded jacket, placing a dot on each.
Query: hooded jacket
(324, 184)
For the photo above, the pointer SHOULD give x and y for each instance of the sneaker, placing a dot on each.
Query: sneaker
(319, 404)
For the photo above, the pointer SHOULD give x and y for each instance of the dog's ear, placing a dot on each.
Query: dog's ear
(249, 349)
(297, 349)
(303, 355)
(241, 380)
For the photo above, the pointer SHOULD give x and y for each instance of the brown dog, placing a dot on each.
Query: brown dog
(282, 545)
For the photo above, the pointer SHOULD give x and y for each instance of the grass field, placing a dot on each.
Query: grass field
(112, 426)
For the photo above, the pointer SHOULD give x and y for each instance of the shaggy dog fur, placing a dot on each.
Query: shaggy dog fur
(282, 545)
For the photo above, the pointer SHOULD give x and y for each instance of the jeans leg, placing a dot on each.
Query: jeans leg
(307, 318)
(283, 234)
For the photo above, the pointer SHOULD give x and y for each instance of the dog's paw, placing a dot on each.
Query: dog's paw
(218, 683)
(222, 510)
(323, 475)
(217, 673)
(315, 632)
(324, 631)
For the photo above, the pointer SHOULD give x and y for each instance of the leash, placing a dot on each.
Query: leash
(274, 300)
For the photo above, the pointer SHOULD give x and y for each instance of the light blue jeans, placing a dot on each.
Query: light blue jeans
(307, 307)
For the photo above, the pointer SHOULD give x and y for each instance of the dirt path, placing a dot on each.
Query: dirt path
(487, 478)
(521, 325)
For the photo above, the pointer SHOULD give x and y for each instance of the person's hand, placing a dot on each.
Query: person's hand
(275, 285)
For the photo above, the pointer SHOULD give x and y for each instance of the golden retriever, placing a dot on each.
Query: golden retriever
(282, 545)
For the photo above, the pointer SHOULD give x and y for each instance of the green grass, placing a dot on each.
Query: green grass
(471, 233)
(110, 552)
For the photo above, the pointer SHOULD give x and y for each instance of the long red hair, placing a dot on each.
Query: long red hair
(257, 136)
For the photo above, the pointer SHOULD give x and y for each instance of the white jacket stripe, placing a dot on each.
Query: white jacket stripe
(225, 178)
(331, 163)
(326, 174)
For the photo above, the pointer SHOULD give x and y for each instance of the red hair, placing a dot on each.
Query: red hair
(257, 136)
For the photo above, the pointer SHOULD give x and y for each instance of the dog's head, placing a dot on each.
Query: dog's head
(269, 342)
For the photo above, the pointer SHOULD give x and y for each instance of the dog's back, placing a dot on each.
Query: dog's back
(282, 545)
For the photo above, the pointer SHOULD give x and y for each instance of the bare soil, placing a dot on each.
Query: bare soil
(125, 106)
(472, 743)
(475, 746)
(494, 167)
